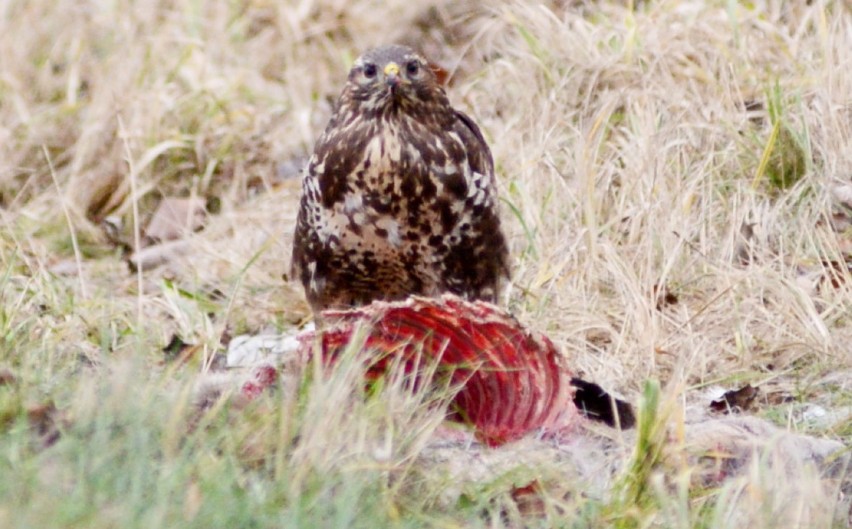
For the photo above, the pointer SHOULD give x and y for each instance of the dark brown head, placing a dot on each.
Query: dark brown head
(393, 77)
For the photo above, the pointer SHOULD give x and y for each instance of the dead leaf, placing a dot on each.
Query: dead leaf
(7, 377)
(64, 267)
(175, 218)
(153, 256)
(43, 422)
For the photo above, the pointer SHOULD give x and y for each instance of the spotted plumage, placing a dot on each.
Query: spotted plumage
(399, 196)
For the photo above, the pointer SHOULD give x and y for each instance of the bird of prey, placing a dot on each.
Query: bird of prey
(399, 196)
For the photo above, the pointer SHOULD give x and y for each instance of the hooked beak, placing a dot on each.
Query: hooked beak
(392, 75)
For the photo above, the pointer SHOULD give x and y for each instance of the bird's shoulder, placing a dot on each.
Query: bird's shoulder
(478, 153)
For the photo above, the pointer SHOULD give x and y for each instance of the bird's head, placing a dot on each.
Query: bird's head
(392, 76)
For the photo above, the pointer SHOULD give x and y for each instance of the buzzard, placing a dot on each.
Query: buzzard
(399, 197)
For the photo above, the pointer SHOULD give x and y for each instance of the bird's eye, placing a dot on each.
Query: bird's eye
(369, 71)
(412, 68)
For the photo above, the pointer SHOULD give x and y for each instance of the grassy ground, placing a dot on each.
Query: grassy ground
(676, 187)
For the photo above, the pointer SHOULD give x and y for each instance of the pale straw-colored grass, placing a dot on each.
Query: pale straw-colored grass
(628, 166)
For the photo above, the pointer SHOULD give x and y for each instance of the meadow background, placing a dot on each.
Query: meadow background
(676, 185)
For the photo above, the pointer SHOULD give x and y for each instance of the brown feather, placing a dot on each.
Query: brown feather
(399, 197)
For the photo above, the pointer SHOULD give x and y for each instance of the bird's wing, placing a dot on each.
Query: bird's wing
(478, 152)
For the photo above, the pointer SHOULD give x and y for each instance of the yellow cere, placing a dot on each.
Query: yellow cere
(392, 68)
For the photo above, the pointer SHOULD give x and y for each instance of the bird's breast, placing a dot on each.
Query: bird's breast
(405, 188)
(405, 161)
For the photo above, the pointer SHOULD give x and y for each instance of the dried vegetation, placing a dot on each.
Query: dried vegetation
(676, 179)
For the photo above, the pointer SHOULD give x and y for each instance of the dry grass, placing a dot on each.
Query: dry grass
(684, 147)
